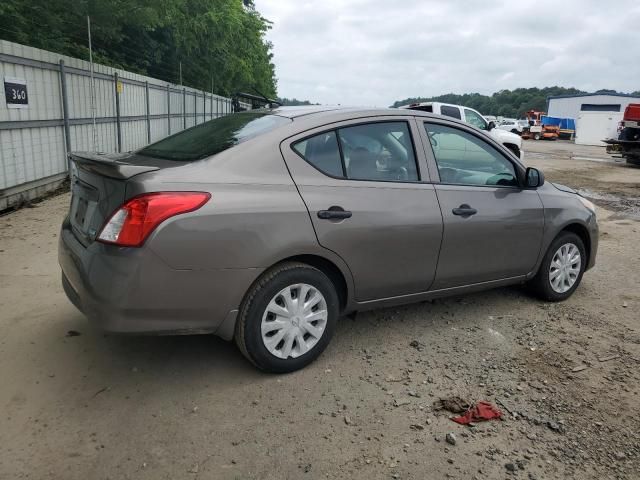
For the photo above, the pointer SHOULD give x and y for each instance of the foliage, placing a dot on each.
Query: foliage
(506, 103)
(220, 43)
(294, 102)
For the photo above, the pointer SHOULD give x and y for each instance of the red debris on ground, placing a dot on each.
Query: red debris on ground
(480, 412)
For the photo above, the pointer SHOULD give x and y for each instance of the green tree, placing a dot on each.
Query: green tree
(219, 43)
(506, 103)
(292, 102)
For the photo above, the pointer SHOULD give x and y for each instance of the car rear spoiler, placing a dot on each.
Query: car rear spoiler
(120, 166)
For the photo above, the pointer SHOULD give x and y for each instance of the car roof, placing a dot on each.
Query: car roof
(328, 113)
(293, 112)
(309, 117)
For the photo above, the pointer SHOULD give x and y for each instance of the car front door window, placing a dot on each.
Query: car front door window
(475, 119)
(464, 159)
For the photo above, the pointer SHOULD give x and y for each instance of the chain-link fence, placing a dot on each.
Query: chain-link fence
(52, 104)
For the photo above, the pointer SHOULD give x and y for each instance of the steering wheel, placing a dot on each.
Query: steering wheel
(504, 178)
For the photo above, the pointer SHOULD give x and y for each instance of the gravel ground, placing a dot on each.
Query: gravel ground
(90, 406)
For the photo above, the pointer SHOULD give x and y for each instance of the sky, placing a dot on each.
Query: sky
(374, 52)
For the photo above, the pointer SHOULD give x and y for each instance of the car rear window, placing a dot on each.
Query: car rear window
(422, 108)
(213, 136)
(450, 111)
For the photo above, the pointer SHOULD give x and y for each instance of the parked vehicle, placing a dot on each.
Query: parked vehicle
(628, 142)
(566, 127)
(511, 125)
(511, 141)
(266, 226)
(537, 129)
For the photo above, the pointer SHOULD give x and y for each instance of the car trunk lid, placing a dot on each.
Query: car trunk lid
(99, 186)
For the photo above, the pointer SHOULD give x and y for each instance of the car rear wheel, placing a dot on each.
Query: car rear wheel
(562, 267)
(287, 318)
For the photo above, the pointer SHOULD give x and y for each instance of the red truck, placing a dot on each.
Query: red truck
(628, 142)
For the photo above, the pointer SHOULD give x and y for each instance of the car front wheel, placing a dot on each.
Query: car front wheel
(562, 267)
(287, 318)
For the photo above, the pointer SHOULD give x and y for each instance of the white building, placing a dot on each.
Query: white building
(596, 115)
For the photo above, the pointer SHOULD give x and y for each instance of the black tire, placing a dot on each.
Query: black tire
(248, 334)
(536, 136)
(541, 284)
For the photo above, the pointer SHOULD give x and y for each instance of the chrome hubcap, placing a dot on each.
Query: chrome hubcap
(294, 321)
(565, 268)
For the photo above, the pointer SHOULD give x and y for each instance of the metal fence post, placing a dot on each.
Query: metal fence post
(168, 109)
(204, 107)
(146, 86)
(195, 108)
(184, 108)
(211, 105)
(65, 113)
(118, 129)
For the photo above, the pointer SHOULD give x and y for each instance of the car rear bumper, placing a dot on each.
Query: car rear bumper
(132, 290)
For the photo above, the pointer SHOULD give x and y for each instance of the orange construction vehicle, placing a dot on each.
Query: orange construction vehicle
(537, 130)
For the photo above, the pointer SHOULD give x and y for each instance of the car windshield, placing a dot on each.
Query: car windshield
(214, 136)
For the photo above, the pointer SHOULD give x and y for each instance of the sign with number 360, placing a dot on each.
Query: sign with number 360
(15, 92)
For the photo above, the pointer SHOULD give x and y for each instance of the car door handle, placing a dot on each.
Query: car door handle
(334, 213)
(464, 210)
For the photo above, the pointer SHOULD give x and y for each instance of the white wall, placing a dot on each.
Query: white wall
(33, 153)
(591, 126)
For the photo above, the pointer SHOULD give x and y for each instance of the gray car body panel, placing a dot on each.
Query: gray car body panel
(259, 216)
(391, 242)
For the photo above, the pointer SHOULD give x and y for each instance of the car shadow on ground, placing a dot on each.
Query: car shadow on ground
(200, 358)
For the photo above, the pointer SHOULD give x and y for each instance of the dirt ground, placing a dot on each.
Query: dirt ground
(566, 375)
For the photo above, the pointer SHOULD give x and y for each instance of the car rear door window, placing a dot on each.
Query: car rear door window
(450, 111)
(322, 152)
(464, 159)
(380, 151)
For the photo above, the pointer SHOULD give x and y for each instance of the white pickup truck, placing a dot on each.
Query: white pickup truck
(510, 140)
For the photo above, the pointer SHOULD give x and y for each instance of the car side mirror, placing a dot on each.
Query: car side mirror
(491, 126)
(534, 178)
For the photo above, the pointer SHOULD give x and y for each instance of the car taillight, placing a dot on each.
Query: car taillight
(131, 224)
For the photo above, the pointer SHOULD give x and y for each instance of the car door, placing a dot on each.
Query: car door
(367, 191)
(492, 227)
